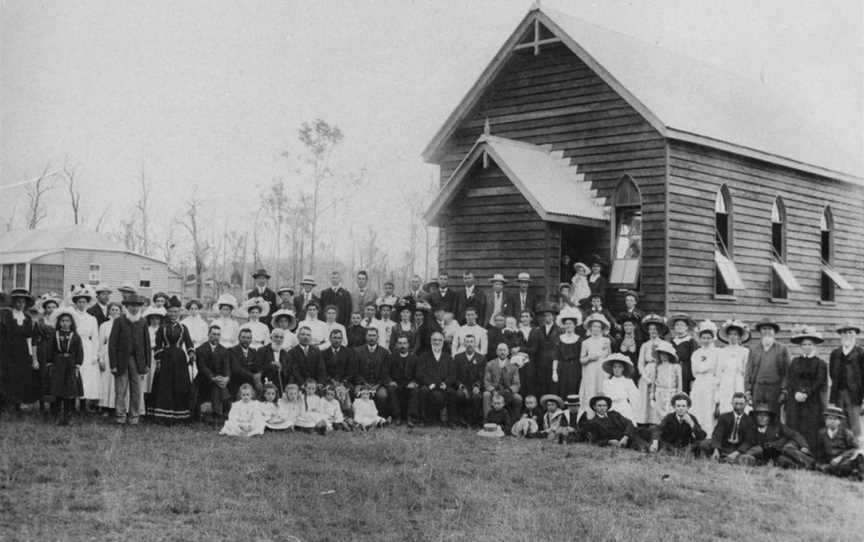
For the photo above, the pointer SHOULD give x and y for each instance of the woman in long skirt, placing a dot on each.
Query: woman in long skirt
(226, 304)
(595, 349)
(197, 326)
(106, 383)
(731, 362)
(704, 366)
(567, 374)
(667, 380)
(153, 316)
(19, 370)
(172, 386)
(48, 304)
(805, 380)
(654, 327)
(87, 328)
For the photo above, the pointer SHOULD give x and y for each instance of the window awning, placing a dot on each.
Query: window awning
(728, 271)
(836, 277)
(625, 272)
(786, 276)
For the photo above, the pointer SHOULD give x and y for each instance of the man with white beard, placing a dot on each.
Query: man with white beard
(129, 358)
(846, 367)
(768, 364)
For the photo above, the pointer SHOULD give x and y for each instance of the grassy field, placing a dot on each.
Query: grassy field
(100, 482)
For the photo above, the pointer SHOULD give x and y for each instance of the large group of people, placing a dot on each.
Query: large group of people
(499, 360)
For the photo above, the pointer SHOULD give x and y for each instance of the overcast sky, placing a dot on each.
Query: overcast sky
(209, 93)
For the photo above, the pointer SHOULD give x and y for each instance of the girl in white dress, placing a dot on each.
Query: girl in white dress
(654, 327)
(595, 349)
(255, 308)
(246, 418)
(619, 386)
(313, 416)
(106, 382)
(365, 412)
(290, 407)
(667, 380)
(332, 409)
(229, 326)
(196, 325)
(88, 328)
(703, 392)
(731, 362)
(581, 288)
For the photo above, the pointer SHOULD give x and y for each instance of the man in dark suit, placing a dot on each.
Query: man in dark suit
(339, 297)
(415, 290)
(261, 277)
(99, 310)
(679, 431)
(304, 361)
(846, 367)
(286, 299)
(372, 361)
(610, 428)
(340, 363)
(444, 296)
(494, 335)
(524, 299)
(733, 434)
(214, 372)
(272, 359)
(465, 397)
(774, 441)
(402, 387)
(498, 301)
(244, 366)
(545, 338)
(129, 351)
(305, 297)
(470, 296)
(433, 379)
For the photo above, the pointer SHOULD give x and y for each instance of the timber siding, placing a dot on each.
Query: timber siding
(555, 99)
(696, 174)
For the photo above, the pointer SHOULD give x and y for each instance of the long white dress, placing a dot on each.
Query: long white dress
(147, 384)
(286, 415)
(667, 383)
(366, 413)
(106, 377)
(91, 378)
(197, 329)
(644, 410)
(624, 395)
(314, 413)
(229, 329)
(243, 413)
(703, 392)
(731, 364)
(594, 350)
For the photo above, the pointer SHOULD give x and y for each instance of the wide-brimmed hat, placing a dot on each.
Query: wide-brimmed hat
(629, 317)
(656, 320)
(386, 301)
(256, 302)
(126, 289)
(78, 293)
(523, 277)
(497, 277)
(23, 293)
(582, 267)
(65, 311)
(572, 400)
(226, 299)
(834, 410)
(284, 289)
(405, 303)
(595, 317)
(133, 299)
(729, 325)
(569, 313)
(491, 430)
(49, 297)
(667, 348)
(285, 313)
(433, 282)
(102, 287)
(593, 402)
(423, 306)
(681, 317)
(847, 326)
(194, 302)
(633, 293)
(173, 302)
(707, 326)
(805, 332)
(308, 280)
(610, 361)
(679, 396)
(260, 273)
(767, 322)
(154, 311)
(552, 397)
(763, 408)
(549, 307)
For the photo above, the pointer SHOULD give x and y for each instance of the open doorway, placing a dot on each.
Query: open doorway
(580, 244)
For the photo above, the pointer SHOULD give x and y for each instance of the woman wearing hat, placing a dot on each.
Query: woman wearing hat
(198, 328)
(19, 366)
(654, 327)
(153, 316)
(566, 367)
(805, 381)
(174, 353)
(619, 387)
(630, 342)
(685, 345)
(731, 362)
(285, 320)
(595, 348)
(704, 366)
(48, 304)
(256, 308)
(106, 379)
(667, 381)
(596, 281)
(88, 329)
(226, 304)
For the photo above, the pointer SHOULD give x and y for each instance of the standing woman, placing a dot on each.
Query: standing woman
(731, 362)
(255, 308)
(229, 326)
(704, 366)
(198, 328)
(285, 320)
(44, 340)
(805, 382)
(88, 329)
(630, 343)
(175, 352)
(106, 382)
(404, 326)
(153, 316)
(567, 366)
(595, 348)
(20, 364)
(654, 327)
(667, 381)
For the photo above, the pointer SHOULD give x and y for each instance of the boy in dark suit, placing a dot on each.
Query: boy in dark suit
(261, 277)
(679, 431)
(837, 450)
(733, 435)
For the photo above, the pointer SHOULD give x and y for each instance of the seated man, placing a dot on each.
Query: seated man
(402, 387)
(214, 373)
(610, 428)
(434, 376)
(502, 376)
(733, 435)
(774, 441)
(678, 431)
(572, 427)
(837, 450)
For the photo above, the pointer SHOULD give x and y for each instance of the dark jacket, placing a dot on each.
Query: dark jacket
(341, 300)
(212, 362)
(613, 426)
(96, 312)
(435, 372)
(477, 301)
(372, 366)
(500, 417)
(300, 305)
(530, 304)
(674, 434)
(496, 337)
(468, 373)
(403, 370)
(264, 358)
(775, 437)
(302, 366)
(244, 367)
(508, 305)
(847, 373)
(844, 442)
(129, 341)
(723, 432)
(340, 366)
(446, 301)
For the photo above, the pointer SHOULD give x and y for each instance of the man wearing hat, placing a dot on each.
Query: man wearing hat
(610, 428)
(525, 300)
(678, 431)
(768, 364)
(837, 450)
(846, 367)
(261, 289)
(339, 297)
(286, 298)
(733, 434)
(470, 296)
(129, 352)
(99, 310)
(498, 301)
(305, 297)
(546, 340)
(774, 441)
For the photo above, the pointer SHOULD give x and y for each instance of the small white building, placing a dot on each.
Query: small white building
(58, 259)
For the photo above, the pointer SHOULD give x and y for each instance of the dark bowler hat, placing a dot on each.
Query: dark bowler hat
(597, 398)
(767, 322)
(549, 307)
(763, 408)
(23, 293)
(849, 326)
(133, 299)
(260, 273)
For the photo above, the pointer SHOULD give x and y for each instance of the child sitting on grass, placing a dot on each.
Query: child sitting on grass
(344, 400)
(554, 418)
(246, 418)
(313, 417)
(288, 409)
(499, 415)
(365, 412)
(332, 409)
(269, 405)
(528, 424)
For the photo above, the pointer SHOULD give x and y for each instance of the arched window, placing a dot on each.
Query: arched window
(726, 277)
(782, 279)
(627, 243)
(830, 277)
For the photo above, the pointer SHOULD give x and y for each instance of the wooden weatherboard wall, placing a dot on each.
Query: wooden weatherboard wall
(554, 98)
(696, 174)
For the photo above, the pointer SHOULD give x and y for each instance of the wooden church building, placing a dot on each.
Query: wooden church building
(700, 189)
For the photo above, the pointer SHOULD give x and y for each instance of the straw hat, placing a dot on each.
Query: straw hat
(656, 320)
(523, 277)
(835, 411)
(597, 398)
(569, 313)
(285, 289)
(681, 317)
(610, 361)
(49, 297)
(23, 293)
(596, 317)
(707, 326)
(285, 313)
(847, 326)
(133, 299)
(226, 299)
(154, 311)
(308, 280)
(804, 332)
(579, 266)
(552, 397)
(498, 277)
(572, 400)
(102, 287)
(729, 325)
(78, 293)
(667, 348)
(491, 430)
(767, 322)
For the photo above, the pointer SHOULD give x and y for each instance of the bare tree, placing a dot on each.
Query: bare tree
(10, 222)
(275, 203)
(101, 221)
(200, 247)
(70, 174)
(37, 209)
(143, 208)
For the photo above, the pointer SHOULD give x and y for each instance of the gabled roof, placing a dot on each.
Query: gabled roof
(682, 98)
(540, 174)
(27, 245)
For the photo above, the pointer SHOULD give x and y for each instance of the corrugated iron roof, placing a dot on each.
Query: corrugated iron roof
(31, 244)
(683, 98)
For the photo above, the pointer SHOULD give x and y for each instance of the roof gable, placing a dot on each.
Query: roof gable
(682, 98)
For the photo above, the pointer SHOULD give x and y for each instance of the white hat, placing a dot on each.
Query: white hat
(227, 299)
(498, 277)
(491, 430)
(596, 317)
(707, 325)
(154, 311)
(102, 287)
(285, 313)
(259, 302)
(81, 291)
(523, 277)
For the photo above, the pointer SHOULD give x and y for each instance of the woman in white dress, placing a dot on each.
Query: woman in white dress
(88, 328)
(595, 348)
(731, 362)
(153, 316)
(254, 309)
(703, 391)
(317, 328)
(229, 327)
(654, 327)
(667, 380)
(106, 383)
(581, 289)
(620, 386)
(196, 325)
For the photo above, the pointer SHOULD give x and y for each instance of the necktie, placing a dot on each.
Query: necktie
(734, 439)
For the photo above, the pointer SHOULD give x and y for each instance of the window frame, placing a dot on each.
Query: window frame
(724, 242)
(626, 198)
